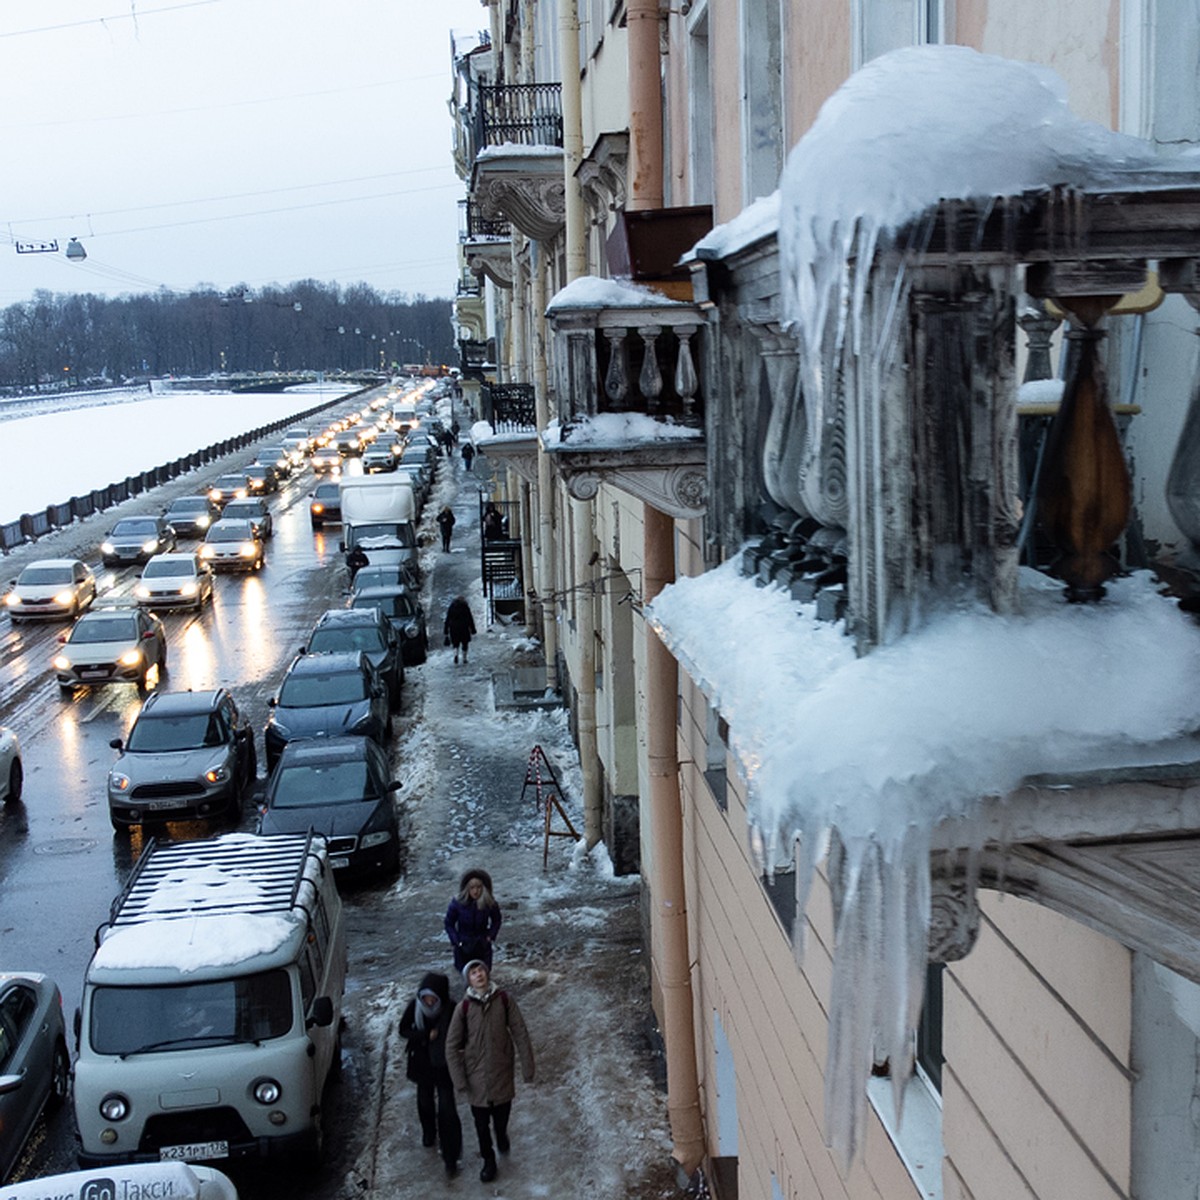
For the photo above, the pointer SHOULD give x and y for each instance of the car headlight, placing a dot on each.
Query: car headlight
(64, 598)
(217, 775)
(150, 546)
(247, 550)
(108, 548)
(203, 521)
(12, 599)
(114, 1107)
(61, 662)
(207, 550)
(142, 592)
(255, 483)
(130, 658)
(189, 589)
(411, 630)
(375, 839)
(266, 1091)
(240, 494)
(119, 782)
(317, 508)
(215, 494)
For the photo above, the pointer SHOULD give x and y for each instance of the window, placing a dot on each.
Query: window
(700, 118)
(762, 97)
(15, 1010)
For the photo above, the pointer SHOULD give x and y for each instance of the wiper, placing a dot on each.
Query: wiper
(205, 1039)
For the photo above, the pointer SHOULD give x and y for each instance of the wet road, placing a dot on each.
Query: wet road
(61, 863)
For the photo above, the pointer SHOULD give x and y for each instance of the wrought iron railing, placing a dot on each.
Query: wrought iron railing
(509, 407)
(523, 114)
(473, 225)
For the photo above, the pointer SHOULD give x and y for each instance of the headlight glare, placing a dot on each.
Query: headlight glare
(217, 775)
(108, 548)
(61, 663)
(130, 658)
(150, 545)
(142, 592)
(189, 589)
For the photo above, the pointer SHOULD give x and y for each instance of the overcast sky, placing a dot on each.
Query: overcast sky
(228, 142)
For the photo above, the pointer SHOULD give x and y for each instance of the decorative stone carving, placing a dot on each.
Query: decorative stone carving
(953, 920)
(535, 203)
(602, 176)
(677, 491)
(493, 259)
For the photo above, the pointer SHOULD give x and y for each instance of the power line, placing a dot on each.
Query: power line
(135, 15)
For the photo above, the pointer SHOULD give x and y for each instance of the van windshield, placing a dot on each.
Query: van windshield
(144, 1020)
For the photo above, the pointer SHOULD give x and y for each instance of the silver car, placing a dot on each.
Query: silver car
(112, 645)
(12, 774)
(175, 581)
(233, 546)
(51, 587)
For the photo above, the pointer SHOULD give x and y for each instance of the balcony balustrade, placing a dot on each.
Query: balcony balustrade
(510, 407)
(522, 114)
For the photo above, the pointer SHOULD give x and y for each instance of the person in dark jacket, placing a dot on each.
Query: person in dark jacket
(473, 919)
(356, 560)
(459, 626)
(468, 454)
(424, 1025)
(445, 521)
(487, 1035)
(493, 524)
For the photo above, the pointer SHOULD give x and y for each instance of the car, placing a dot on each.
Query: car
(111, 644)
(253, 509)
(385, 575)
(190, 516)
(340, 787)
(365, 629)
(276, 456)
(12, 771)
(189, 755)
(326, 695)
(325, 504)
(137, 539)
(233, 546)
(175, 581)
(326, 459)
(51, 587)
(35, 1065)
(261, 479)
(229, 487)
(378, 458)
(179, 1180)
(348, 443)
(406, 615)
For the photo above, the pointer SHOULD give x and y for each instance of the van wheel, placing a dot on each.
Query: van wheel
(60, 1078)
(314, 1152)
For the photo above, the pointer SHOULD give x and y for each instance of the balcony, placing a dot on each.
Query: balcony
(476, 358)
(519, 114)
(510, 407)
(473, 226)
(630, 397)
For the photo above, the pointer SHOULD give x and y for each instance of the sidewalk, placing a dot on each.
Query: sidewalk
(594, 1121)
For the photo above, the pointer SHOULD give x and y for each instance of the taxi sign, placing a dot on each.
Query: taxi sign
(164, 1181)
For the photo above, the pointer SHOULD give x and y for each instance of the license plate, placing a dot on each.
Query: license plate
(158, 805)
(194, 1151)
(92, 673)
(339, 864)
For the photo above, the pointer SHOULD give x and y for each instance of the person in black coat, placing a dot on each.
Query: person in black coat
(423, 1025)
(459, 626)
(446, 522)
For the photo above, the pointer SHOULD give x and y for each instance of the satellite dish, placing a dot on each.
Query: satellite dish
(75, 250)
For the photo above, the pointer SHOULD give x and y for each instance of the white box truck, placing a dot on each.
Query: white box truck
(379, 514)
(211, 1010)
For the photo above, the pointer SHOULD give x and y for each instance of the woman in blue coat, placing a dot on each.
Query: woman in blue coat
(473, 919)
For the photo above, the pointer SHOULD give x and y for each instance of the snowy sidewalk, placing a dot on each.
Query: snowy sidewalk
(593, 1123)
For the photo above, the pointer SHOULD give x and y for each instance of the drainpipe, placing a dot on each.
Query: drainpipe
(645, 106)
(666, 837)
(546, 580)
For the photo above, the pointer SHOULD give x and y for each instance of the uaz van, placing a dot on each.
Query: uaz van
(211, 1007)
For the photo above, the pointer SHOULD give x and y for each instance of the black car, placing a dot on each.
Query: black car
(252, 509)
(406, 615)
(189, 754)
(340, 630)
(326, 695)
(338, 786)
(325, 504)
(386, 575)
(190, 516)
(261, 479)
(136, 540)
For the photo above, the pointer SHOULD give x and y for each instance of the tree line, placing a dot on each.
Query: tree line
(57, 339)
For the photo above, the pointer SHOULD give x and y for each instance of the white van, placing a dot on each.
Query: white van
(212, 1005)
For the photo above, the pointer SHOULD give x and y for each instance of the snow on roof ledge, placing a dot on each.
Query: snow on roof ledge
(517, 150)
(590, 291)
(611, 430)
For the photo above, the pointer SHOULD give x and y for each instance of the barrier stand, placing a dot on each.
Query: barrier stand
(548, 798)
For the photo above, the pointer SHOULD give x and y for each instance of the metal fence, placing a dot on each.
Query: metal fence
(28, 527)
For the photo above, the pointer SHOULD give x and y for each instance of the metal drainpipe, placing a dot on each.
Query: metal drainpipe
(546, 581)
(666, 837)
(583, 542)
(645, 106)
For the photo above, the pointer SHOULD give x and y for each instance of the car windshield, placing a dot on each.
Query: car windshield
(231, 482)
(334, 638)
(369, 577)
(323, 783)
(398, 605)
(53, 576)
(134, 527)
(155, 733)
(117, 628)
(400, 533)
(162, 568)
(135, 1020)
(256, 472)
(321, 689)
(235, 531)
(239, 508)
(328, 491)
(193, 504)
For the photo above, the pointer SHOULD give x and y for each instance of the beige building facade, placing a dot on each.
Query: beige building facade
(1056, 1048)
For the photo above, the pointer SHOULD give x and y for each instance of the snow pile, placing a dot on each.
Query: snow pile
(590, 291)
(1047, 392)
(616, 429)
(880, 749)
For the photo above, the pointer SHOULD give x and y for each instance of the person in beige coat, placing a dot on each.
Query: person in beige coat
(487, 1035)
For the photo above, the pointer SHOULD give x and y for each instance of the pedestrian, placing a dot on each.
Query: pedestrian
(493, 523)
(487, 1035)
(459, 626)
(355, 560)
(473, 919)
(445, 521)
(424, 1026)
(468, 453)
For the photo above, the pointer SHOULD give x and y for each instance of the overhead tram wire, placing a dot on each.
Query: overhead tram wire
(135, 15)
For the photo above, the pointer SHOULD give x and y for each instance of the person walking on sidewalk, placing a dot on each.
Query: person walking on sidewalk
(459, 626)
(445, 521)
(473, 919)
(487, 1035)
(468, 453)
(424, 1025)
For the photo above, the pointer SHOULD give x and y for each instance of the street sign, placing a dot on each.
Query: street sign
(37, 247)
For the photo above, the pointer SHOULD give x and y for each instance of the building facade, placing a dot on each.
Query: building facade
(661, 413)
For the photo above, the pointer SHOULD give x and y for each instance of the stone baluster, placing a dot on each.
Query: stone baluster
(1039, 327)
(1086, 494)
(616, 378)
(650, 381)
(686, 380)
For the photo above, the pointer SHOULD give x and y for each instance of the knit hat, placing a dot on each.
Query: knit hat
(475, 962)
(476, 873)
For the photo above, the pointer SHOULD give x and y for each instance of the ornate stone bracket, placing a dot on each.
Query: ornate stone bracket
(953, 919)
(493, 259)
(526, 190)
(518, 456)
(602, 176)
(678, 488)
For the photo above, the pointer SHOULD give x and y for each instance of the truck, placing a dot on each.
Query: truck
(379, 517)
(211, 1011)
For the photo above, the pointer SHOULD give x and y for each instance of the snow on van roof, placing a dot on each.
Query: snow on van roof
(195, 943)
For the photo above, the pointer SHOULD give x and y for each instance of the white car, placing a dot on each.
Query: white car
(51, 587)
(175, 581)
(184, 1181)
(12, 774)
